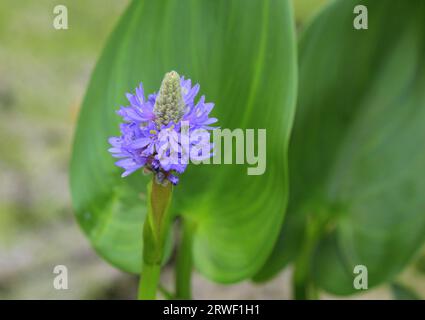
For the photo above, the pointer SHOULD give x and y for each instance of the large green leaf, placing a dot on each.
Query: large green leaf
(243, 55)
(357, 155)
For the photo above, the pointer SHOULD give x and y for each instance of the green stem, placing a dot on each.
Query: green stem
(184, 262)
(303, 285)
(155, 231)
(149, 282)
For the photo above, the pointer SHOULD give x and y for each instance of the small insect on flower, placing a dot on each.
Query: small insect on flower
(156, 132)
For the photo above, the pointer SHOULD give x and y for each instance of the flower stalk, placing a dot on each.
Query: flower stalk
(304, 287)
(155, 231)
(184, 263)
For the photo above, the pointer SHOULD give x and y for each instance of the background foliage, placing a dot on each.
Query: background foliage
(357, 171)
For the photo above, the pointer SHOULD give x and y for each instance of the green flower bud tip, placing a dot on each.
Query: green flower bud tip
(169, 106)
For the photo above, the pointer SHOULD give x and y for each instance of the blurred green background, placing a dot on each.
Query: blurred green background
(43, 76)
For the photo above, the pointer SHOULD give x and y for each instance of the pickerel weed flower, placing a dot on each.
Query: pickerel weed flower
(160, 134)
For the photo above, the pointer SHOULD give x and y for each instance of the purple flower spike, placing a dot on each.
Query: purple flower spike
(156, 133)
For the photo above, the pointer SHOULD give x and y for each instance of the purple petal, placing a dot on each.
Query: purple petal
(130, 171)
(126, 163)
(173, 179)
(115, 141)
(140, 143)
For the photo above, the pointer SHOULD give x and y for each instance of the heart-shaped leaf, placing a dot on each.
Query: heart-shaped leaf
(357, 158)
(243, 55)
